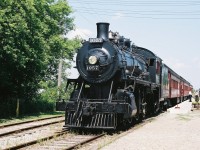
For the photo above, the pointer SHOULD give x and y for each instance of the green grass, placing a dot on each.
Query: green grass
(29, 117)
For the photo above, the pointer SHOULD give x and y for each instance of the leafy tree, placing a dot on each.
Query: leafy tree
(31, 44)
(49, 86)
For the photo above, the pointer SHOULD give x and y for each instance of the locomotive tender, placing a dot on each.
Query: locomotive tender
(119, 83)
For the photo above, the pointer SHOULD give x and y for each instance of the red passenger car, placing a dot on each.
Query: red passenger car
(174, 88)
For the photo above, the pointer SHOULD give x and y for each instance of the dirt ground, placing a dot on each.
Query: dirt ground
(177, 129)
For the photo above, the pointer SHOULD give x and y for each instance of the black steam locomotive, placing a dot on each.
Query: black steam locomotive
(118, 83)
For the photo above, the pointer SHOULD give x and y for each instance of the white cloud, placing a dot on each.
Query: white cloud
(72, 73)
(179, 65)
(187, 68)
(196, 61)
(118, 16)
(83, 33)
(176, 64)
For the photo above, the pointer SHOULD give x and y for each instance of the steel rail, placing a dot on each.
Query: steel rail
(80, 143)
(28, 128)
(35, 120)
(84, 142)
(36, 141)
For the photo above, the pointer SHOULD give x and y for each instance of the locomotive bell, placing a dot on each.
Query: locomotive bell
(102, 30)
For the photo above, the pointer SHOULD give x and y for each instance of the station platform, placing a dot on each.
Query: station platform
(181, 108)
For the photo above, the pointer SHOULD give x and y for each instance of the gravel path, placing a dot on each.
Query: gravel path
(178, 129)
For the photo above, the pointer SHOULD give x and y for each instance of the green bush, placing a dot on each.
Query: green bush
(8, 108)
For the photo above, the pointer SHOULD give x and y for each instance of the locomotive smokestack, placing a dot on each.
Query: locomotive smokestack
(102, 30)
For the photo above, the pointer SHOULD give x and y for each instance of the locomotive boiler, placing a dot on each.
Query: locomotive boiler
(118, 83)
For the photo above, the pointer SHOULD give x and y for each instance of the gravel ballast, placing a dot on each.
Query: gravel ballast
(177, 129)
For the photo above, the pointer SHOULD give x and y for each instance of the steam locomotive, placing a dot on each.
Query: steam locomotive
(119, 82)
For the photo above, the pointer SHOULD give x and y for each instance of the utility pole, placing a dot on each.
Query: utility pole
(59, 78)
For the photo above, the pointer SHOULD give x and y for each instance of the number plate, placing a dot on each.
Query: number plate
(95, 40)
(92, 68)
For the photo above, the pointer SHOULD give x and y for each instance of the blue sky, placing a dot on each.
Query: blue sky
(169, 28)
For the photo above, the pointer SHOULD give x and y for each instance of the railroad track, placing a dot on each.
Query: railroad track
(28, 125)
(32, 136)
(66, 142)
(34, 120)
(61, 140)
(35, 141)
(72, 141)
(57, 138)
(27, 130)
(18, 133)
(84, 140)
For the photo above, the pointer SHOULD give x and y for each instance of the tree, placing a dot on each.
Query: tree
(31, 43)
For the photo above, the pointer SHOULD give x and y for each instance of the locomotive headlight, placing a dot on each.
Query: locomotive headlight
(92, 60)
